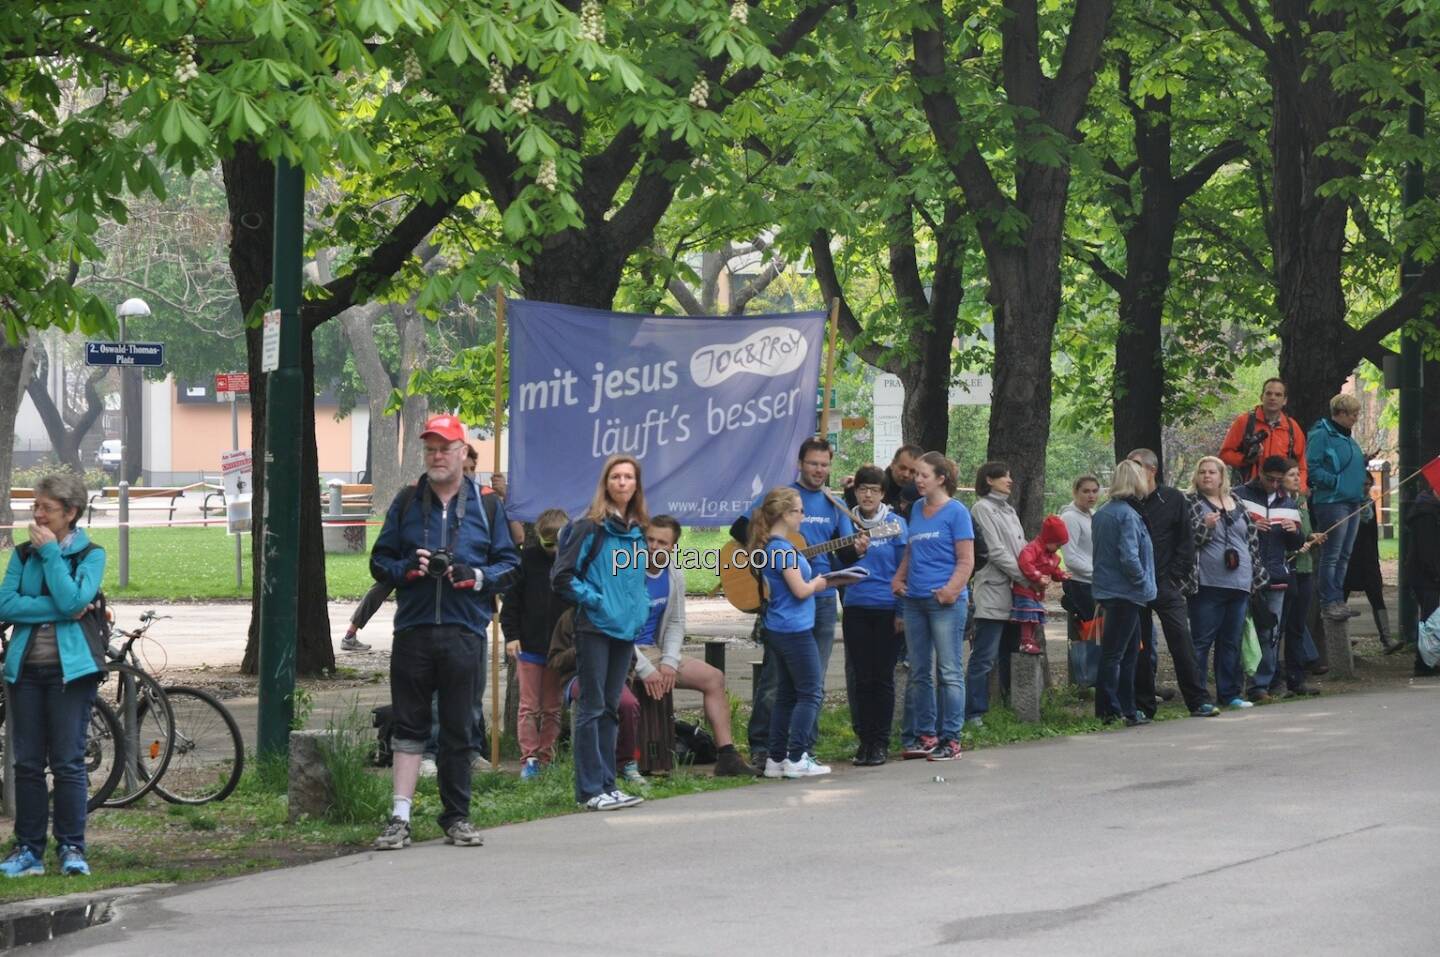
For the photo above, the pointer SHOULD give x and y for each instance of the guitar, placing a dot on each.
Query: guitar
(743, 586)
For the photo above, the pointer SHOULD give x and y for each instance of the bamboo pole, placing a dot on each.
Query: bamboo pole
(495, 721)
(825, 394)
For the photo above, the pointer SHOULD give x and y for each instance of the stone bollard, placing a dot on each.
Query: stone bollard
(1027, 686)
(1337, 647)
(311, 790)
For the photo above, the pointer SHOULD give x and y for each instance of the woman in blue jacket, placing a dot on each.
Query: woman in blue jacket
(1124, 584)
(52, 671)
(1337, 488)
(601, 568)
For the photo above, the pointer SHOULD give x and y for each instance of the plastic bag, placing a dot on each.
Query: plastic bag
(1250, 647)
(1429, 642)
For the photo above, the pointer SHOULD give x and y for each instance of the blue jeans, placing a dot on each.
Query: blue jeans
(603, 663)
(1119, 650)
(988, 632)
(50, 720)
(797, 693)
(1335, 553)
(758, 730)
(1217, 618)
(935, 642)
(1264, 675)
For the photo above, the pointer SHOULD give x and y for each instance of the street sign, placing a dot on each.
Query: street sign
(238, 471)
(270, 342)
(124, 353)
(232, 382)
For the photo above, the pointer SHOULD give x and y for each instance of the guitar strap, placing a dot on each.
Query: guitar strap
(840, 504)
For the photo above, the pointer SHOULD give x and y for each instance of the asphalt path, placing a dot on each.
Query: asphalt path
(1306, 827)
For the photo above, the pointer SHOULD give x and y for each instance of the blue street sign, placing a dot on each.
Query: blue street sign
(124, 353)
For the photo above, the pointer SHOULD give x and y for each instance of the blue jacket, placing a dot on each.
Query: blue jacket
(22, 603)
(611, 591)
(415, 520)
(1337, 465)
(1124, 557)
(1276, 543)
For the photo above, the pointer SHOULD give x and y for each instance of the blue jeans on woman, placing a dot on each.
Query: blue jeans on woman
(797, 693)
(1335, 553)
(1119, 650)
(935, 644)
(1217, 618)
(50, 720)
(602, 664)
(988, 632)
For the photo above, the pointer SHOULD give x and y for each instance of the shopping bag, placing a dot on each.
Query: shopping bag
(1250, 647)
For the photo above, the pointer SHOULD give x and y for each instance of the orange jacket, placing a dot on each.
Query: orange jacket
(1288, 439)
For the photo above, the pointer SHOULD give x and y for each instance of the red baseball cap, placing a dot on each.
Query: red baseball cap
(446, 426)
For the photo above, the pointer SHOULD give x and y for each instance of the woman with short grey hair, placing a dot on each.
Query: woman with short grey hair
(53, 667)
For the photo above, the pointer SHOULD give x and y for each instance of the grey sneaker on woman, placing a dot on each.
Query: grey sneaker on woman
(463, 834)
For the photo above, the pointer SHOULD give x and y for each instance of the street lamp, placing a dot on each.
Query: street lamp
(130, 307)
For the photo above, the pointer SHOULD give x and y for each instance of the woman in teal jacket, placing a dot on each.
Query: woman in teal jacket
(52, 670)
(1337, 488)
(600, 567)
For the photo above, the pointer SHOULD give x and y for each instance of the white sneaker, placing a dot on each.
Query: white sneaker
(479, 763)
(603, 802)
(773, 768)
(427, 768)
(804, 768)
(626, 800)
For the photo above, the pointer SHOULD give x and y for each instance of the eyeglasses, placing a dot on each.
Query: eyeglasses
(40, 509)
(432, 451)
(869, 490)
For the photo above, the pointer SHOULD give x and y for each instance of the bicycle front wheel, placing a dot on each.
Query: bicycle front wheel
(209, 754)
(150, 741)
(104, 754)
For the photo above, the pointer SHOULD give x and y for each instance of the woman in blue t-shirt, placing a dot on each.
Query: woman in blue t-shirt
(932, 579)
(789, 623)
(872, 642)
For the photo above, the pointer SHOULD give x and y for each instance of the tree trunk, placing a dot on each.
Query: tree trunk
(66, 436)
(1430, 413)
(577, 269)
(14, 375)
(384, 433)
(415, 408)
(1138, 392)
(250, 194)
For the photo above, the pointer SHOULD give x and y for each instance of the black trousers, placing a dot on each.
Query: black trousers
(437, 660)
(871, 649)
(1169, 605)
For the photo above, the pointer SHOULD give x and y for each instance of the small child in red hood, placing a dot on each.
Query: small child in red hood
(1040, 563)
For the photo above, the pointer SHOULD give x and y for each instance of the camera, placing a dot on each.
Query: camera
(1252, 445)
(439, 563)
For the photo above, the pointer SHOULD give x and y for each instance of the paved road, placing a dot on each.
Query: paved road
(1302, 828)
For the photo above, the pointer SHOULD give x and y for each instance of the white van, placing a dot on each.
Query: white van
(107, 456)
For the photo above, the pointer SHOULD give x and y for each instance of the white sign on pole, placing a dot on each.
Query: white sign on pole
(971, 389)
(238, 471)
(889, 400)
(270, 343)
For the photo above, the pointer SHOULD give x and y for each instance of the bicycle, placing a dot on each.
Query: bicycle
(146, 720)
(206, 756)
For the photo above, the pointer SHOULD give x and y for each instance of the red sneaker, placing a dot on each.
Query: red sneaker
(946, 751)
(922, 748)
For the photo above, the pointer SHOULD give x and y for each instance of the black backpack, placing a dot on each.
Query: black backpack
(95, 622)
(383, 719)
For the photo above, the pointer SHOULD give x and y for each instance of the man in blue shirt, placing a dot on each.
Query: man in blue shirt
(824, 521)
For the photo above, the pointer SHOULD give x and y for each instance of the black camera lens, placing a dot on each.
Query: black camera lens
(439, 564)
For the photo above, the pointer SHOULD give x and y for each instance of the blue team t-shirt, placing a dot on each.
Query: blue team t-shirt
(881, 559)
(657, 585)
(785, 612)
(932, 547)
(822, 521)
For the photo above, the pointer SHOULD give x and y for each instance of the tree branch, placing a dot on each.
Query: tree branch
(1255, 33)
(831, 289)
(1098, 266)
(1190, 182)
(1414, 303)
(756, 286)
(1071, 89)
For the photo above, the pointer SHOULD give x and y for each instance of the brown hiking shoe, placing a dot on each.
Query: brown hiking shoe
(729, 764)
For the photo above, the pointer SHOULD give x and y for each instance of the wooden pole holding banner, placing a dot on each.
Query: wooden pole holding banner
(829, 368)
(495, 621)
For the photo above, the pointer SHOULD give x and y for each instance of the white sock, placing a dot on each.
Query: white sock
(401, 808)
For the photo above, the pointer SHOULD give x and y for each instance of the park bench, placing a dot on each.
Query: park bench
(355, 499)
(142, 499)
(213, 493)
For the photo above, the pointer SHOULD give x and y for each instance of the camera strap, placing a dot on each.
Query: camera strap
(458, 516)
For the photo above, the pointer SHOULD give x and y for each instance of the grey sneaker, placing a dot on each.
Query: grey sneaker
(463, 834)
(351, 643)
(395, 836)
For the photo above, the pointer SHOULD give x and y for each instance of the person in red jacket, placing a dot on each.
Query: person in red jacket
(1040, 563)
(1262, 432)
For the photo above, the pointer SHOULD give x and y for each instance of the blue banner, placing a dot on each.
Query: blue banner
(714, 408)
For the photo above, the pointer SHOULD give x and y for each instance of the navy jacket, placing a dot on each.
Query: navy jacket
(1276, 543)
(427, 523)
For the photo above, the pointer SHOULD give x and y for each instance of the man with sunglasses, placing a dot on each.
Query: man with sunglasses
(445, 559)
(1277, 515)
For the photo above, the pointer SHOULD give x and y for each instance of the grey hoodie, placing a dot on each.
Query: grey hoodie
(1079, 557)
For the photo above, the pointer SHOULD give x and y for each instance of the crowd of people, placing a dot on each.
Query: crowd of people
(906, 569)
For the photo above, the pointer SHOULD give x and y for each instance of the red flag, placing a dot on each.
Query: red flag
(1432, 474)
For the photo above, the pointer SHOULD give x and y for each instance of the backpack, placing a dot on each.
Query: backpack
(95, 622)
(383, 719)
(586, 560)
(694, 745)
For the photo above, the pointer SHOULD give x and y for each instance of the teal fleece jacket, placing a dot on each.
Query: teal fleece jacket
(24, 603)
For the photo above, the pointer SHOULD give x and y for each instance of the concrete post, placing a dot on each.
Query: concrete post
(124, 534)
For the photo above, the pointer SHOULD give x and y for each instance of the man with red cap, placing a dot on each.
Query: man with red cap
(445, 559)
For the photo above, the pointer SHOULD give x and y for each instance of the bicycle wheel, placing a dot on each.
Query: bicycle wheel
(153, 734)
(209, 753)
(103, 753)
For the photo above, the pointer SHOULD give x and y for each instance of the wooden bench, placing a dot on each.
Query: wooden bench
(142, 498)
(354, 499)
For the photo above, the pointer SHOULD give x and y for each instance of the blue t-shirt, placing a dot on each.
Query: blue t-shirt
(932, 547)
(657, 585)
(822, 522)
(785, 612)
(881, 559)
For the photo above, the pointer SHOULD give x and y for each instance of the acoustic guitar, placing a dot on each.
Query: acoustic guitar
(743, 586)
